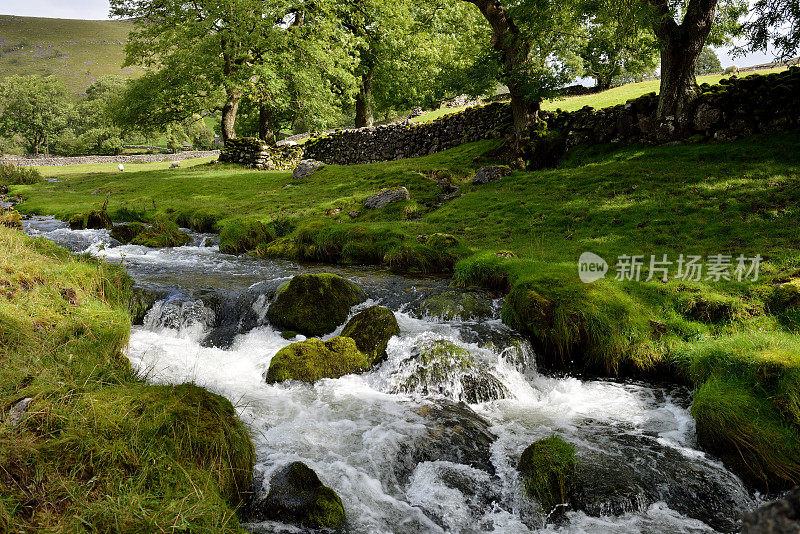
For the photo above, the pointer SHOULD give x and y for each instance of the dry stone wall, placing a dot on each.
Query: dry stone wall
(737, 107)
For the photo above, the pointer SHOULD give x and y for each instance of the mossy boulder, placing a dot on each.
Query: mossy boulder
(313, 359)
(140, 303)
(11, 219)
(297, 496)
(547, 467)
(372, 329)
(314, 304)
(452, 305)
(95, 220)
(787, 295)
(162, 234)
(440, 367)
(125, 233)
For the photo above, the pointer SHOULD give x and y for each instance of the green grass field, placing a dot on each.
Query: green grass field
(736, 342)
(76, 51)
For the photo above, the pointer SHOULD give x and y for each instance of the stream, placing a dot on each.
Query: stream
(404, 459)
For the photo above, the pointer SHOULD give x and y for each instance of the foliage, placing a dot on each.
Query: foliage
(775, 24)
(10, 174)
(620, 45)
(707, 62)
(34, 108)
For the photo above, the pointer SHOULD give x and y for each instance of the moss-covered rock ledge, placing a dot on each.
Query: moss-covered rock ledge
(84, 444)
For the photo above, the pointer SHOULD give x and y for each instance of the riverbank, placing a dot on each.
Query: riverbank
(734, 341)
(84, 442)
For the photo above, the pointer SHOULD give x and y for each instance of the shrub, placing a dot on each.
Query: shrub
(10, 174)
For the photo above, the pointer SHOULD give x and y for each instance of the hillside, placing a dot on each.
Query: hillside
(77, 51)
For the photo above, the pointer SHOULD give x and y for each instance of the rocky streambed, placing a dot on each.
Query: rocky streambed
(428, 438)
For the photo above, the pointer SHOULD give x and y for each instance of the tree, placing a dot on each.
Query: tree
(707, 62)
(34, 108)
(775, 23)
(198, 48)
(536, 42)
(681, 44)
(620, 43)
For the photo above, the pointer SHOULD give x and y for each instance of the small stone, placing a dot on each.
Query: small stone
(306, 168)
(388, 196)
(484, 175)
(18, 411)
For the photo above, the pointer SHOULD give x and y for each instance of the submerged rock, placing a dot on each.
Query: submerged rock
(451, 305)
(547, 467)
(453, 433)
(777, 517)
(383, 198)
(629, 473)
(372, 329)
(297, 496)
(314, 304)
(313, 359)
(443, 368)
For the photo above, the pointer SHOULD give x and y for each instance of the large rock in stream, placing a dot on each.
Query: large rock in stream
(372, 329)
(297, 496)
(628, 472)
(314, 304)
(440, 367)
(781, 516)
(314, 359)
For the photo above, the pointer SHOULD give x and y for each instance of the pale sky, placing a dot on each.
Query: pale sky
(98, 9)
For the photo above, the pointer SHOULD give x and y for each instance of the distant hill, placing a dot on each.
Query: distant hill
(77, 51)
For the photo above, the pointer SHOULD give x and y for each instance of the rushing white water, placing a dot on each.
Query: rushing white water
(399, 457)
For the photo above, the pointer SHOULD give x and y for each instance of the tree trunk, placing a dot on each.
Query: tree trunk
(266, 131)
(229, 111)
(507, 39)
(681, 45)
(364, 116)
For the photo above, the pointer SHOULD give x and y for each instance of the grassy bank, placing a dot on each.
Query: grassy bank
(98, 449)
(736, 342)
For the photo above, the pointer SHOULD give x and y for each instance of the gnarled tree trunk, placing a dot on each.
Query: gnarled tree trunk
(681, 45)
(229, 111)
(507, 39)
(364, 115)
(266, 125)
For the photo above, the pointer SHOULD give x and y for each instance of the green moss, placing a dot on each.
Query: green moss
(420, 258)
(11, 219)
(372, 329)
(240, 236)
(125, 233)
(597, 326)
(94, 219)
(314, 304)
(314, 359)
(162, 233)
(547, 467)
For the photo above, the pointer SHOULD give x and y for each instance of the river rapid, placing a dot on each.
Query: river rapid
(408, 460)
